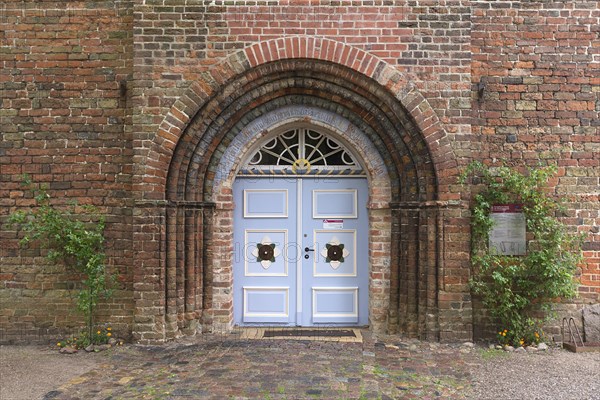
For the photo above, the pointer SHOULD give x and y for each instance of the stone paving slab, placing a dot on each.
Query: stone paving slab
(233, 367)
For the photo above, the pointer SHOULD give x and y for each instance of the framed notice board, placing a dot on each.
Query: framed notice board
(507, 236)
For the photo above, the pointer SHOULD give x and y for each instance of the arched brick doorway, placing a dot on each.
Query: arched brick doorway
(193, 285)
(371, 266)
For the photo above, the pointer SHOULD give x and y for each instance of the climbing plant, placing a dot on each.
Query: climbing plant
(73, 236)
(514, 288)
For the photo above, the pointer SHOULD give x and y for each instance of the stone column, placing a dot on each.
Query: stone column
(185, 266)
(169, 243)
(417, 271)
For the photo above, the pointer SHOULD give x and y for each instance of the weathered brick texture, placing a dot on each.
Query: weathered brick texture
(64, 72)
(131, 106)
(536, 84)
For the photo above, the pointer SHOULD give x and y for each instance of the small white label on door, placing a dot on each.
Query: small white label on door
(333, 224)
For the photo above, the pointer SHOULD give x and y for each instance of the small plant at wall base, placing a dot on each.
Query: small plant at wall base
(514, 288)
(100, 336)
(73, 236)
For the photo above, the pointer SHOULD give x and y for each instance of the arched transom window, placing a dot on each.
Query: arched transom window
(302, 151)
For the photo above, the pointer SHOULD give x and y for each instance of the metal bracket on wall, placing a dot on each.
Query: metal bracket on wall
(481, 88)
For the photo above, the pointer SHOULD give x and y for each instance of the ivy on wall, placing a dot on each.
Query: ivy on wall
(513, 288)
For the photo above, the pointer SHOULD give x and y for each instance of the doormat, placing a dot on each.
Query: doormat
(311, 332)
(324, 335)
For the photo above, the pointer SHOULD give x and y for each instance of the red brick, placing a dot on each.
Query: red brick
(113, 137)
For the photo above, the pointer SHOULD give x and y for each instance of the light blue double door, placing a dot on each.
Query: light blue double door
(300, 256)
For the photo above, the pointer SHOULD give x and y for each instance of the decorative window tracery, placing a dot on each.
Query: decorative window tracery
(302, 151)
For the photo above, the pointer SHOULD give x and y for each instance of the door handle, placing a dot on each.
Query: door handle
(306, 249)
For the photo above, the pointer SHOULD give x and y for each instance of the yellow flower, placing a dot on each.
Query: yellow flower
(58, 344)
(109, 328)
(109, 334)
(98, 332)
(503, 333)
(537, 335)
(499, 333)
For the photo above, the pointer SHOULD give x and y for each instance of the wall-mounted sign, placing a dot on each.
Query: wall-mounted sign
(333, 224)
(507, 236)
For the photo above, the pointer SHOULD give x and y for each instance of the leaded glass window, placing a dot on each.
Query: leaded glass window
(302, 151)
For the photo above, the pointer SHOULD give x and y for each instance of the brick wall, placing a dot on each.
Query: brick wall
(87, 88)
(64, 72)
(183, 48)
(177, 41)
(538, 67)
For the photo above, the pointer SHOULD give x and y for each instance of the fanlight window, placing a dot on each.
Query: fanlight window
(302, 152)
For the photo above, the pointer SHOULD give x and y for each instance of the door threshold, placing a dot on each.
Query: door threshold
(317, 334)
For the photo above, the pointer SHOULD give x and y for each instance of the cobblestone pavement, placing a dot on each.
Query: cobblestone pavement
(233, 367)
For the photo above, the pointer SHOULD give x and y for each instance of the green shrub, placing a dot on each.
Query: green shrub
(73, 236)
(514, 288)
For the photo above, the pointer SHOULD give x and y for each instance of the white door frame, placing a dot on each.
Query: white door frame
(299, 267)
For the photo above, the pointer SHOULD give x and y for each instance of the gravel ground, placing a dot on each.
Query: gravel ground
(30, 372)
(554, 374)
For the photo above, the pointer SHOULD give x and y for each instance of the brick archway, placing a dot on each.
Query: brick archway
(180, 289)
(158, 154)
(378, 211)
